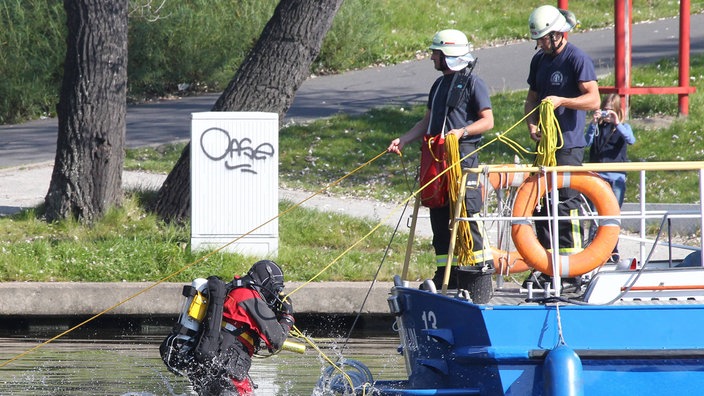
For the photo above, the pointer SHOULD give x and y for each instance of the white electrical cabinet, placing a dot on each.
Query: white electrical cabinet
(234, 182)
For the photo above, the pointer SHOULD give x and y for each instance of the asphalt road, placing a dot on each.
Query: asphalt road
(504, 68)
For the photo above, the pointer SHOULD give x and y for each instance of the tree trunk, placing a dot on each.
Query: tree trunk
(87, 176)
(266, 81)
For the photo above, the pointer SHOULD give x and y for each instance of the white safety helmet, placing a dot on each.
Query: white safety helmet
(546, 19)
(451, 42)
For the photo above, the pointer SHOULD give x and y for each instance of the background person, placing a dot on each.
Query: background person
(563, 74)
(467, 121)
(608, 137)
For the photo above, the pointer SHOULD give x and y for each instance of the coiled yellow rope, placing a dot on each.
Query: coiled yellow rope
(551, 135)
(465, 244)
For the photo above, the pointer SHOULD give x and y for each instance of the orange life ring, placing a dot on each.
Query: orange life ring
(504, 180)
(508, 262)
(598, 251)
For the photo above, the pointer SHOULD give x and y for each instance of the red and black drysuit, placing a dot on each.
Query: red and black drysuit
(247, 322)
(245, 309)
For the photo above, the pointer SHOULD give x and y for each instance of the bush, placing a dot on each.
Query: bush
(32, 50)
(195, 42)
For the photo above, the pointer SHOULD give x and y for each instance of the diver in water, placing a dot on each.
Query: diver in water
(242, 317)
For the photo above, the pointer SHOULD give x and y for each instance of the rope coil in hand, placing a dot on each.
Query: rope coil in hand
(551, 134)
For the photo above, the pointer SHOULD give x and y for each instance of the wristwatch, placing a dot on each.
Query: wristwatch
(464, 132)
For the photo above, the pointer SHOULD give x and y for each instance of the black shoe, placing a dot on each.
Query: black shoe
(440, 275)
(572, 284)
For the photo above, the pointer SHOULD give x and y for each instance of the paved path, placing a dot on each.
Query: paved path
(23, 187)
(504, 68)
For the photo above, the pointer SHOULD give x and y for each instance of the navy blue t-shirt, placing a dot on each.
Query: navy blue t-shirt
(474, 99)
(560, 76)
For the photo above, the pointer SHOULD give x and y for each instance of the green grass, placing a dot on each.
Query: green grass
(396, 30)
(132, 245)
(314, 155)
(159, 159)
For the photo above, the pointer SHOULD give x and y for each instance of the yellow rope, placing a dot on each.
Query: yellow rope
(454, 176)
(465, 244)
(500, 137)
(465, 254)
(298, 334)
(202, 259)
(551, 135)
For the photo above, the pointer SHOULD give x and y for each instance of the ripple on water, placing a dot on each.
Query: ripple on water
(132, 367)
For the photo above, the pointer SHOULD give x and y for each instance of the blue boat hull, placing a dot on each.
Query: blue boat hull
(452, 346)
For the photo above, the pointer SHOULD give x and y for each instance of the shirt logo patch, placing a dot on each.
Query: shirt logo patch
(556, 78)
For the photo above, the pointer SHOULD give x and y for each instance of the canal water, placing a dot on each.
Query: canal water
(131, 366)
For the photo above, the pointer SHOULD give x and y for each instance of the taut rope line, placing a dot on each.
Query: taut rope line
(185, 267)
(164, 279)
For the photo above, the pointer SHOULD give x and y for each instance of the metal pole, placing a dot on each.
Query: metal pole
(619, 38)
(628, 52)
(563, 5)
(642, 214)
(623, 50)
(556, 264)
(683, 98)
(411, 236)
(453, 231)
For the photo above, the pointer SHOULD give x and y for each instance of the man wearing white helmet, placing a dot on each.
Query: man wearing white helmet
(563, 74)
(466, 118)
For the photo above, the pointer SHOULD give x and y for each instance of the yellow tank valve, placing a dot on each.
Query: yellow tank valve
(198, 307)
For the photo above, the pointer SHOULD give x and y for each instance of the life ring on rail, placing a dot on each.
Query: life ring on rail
(503, 180)
(508, 262)
(598, 251)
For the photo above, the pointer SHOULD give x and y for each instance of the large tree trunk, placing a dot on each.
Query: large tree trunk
(267, 81)
(87, 177)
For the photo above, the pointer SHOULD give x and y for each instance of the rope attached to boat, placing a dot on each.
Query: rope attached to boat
(499, 137)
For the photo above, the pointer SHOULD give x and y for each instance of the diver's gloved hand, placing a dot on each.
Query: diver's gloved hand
(286, 305)
(285, 311)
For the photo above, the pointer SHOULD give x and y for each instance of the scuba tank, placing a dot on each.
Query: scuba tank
(194, 308)
(177, 348)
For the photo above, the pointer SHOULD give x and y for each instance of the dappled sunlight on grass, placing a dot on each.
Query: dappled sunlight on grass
(130, 245)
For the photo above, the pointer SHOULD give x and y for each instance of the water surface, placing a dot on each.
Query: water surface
(131, 366)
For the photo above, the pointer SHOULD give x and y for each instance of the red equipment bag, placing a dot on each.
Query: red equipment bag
(433, 161)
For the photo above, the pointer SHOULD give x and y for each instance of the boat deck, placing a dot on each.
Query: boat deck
(516, 296)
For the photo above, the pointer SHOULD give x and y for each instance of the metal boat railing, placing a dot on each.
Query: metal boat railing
(642, 215)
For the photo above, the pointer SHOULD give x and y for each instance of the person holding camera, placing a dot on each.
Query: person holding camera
(608, 137)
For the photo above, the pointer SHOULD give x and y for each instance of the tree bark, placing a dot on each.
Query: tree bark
(87, 176)
(267, 80)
